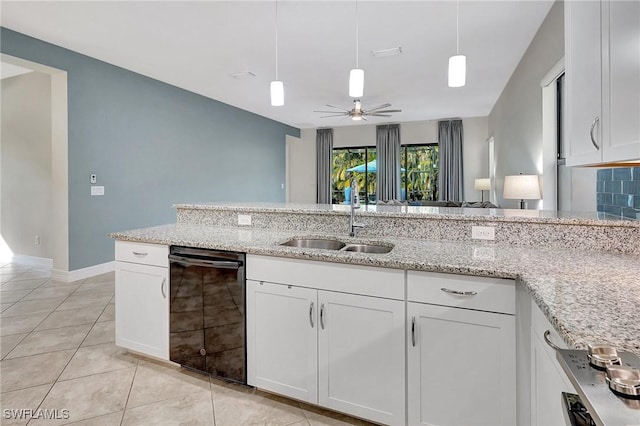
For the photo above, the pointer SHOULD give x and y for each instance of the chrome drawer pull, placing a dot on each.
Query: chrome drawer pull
(593, 126)
(164, 295)
(322, 315)
(459, 293)
(548, 341)
(139, 253)
(311, 314)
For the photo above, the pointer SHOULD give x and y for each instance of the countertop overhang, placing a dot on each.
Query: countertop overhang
(589, 296)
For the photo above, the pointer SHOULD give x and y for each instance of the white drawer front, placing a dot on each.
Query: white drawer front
(356, 279)
(143, 253)
(484, 294)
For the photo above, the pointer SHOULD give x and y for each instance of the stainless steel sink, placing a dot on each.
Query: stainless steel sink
(316, 243)
(368, 248)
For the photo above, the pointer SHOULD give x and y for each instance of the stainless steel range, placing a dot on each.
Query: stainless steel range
(607, 381)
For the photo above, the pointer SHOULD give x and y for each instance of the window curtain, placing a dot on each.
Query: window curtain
(450, 181)
(388, 162)
(324, 149)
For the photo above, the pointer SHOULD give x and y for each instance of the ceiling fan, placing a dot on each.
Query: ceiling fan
(358, 113)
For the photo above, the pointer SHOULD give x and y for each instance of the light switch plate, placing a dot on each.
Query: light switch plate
(244, 219)
(483, 233)
(97, 190)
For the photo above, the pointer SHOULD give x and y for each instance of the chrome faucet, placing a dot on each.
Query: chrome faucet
(354, 202)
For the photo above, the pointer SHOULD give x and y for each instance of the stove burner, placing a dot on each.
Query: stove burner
(624, 381)
(602, 356)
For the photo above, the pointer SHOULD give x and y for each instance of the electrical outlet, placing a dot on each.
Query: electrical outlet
(483, 233)
(244, 219)
(93, 179)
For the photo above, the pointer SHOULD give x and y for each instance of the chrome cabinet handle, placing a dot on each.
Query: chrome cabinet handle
(164, 295)
(139, 253)
(322, 315)
(459, 293)
(413, 331)
(593, 126)
(548, 341)
(311, 314)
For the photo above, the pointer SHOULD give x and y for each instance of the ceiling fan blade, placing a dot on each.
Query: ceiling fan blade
(379, 115)
(334, 115)
(331, 112)
(340, 108)
(385, 111)
(378, 107)
(364, 118)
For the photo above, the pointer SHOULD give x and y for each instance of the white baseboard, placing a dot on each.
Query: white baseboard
(23, 259)
(81, 274)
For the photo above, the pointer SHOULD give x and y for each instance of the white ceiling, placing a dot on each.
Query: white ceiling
(10, 70)
(198, 45)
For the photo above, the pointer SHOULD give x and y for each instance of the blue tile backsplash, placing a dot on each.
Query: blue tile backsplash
(618, 192)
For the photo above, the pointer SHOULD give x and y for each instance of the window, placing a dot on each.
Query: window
(419, 172)
(419, 175)
(353, 162)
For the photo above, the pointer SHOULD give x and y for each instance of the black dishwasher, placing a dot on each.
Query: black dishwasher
(207, 311)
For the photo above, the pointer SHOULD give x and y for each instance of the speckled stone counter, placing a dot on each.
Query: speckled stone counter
(589, 296)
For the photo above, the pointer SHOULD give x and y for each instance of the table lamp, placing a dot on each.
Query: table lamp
(482, 184)
(522, 187)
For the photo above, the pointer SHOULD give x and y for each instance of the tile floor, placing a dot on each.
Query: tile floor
(58, 353)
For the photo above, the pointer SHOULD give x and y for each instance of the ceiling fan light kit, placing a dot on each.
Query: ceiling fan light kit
(457, 63)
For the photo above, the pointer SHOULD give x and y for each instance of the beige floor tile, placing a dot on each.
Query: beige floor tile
(109, 276)
(20, 373)
(157, 382)
(20, 324)
(27, 399)
(56, 283)
(98, 359)
(97, 287)
(7, 343)
(13, 296)
(102, 332)
(5, 306)
(32, 307)
(35, 274)
(85, 300)
(51, 292)
(9, 276)
(112, 419)
(317, 416)
(234, 408)
(90, 396)
(22, 284)
(58, 319)
(109, 313)
(39, 342)
(193, 410)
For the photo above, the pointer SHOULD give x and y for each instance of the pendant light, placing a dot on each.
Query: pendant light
(356, 76)
(457, 63)
(277, 87)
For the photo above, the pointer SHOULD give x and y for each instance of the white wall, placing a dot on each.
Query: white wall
(26, 166)
(301, 161)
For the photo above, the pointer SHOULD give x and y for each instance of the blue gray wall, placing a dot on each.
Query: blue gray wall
(151, 145)
(618, 192)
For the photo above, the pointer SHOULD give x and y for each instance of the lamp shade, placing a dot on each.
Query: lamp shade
(482, 184)
(356, 83)
(457, 71)
(521, 187)
(277, 93)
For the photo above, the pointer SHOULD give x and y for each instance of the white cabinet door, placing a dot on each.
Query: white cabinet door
(361, 356)
(583, 77)
(142, 308)
(621, 21)
(461, 366)
(282, 340)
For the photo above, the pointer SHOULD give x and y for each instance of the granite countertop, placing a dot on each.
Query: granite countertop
(588, 296)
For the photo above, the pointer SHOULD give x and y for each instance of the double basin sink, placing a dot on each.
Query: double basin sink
(326, 244)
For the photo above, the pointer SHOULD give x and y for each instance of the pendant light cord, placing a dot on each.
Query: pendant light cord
(357, 39)
(276, 39)
(457, 27)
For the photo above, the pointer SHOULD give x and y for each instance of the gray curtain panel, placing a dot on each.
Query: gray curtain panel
(388, 162)
(450, 181)
(324, 150)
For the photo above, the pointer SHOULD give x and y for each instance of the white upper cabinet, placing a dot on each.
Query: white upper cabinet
(602, 98)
